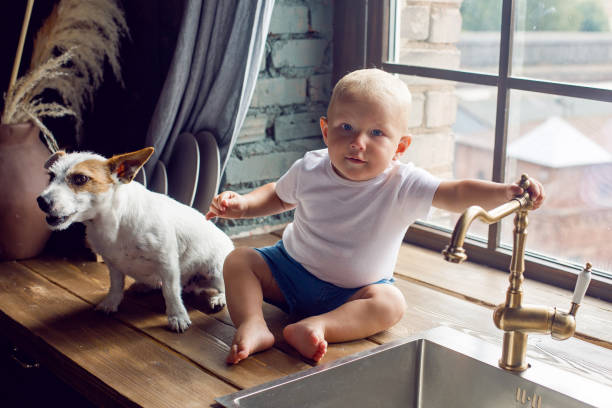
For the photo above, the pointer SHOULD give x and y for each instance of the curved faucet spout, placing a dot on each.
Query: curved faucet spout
(454, 251)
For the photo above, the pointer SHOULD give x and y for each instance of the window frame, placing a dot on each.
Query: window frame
(361, 40)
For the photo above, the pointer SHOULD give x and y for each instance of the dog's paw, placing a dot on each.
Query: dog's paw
(108, 305)
(179, 323)
(217, 302)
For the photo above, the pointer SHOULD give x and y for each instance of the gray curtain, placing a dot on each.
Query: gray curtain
(212, 75)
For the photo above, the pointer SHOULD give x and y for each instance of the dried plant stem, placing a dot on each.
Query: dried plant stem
(68, 58)
(24, 31)
(93, 28)
(23, 93)
(49, 139)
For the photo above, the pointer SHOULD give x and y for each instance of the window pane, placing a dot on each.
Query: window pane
(564, 40)
(452, 129)
(566, 143)
(451, 35)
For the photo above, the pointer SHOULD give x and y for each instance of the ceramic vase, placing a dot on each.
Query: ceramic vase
(23, 229)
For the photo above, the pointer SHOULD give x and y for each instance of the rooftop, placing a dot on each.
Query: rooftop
(556, 144)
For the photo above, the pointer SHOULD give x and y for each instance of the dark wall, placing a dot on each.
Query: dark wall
(11, 19)
(118, 120)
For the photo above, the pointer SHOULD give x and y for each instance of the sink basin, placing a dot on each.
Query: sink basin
(441, 368)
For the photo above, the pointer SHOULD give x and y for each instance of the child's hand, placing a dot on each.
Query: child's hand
(535, 190)
(227, 205)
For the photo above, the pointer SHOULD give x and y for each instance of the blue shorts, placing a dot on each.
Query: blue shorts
(305, 294)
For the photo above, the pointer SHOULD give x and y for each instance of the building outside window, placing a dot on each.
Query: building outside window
(502, 88)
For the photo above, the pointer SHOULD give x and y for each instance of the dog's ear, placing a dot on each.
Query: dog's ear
(53, 158)
(126, 166)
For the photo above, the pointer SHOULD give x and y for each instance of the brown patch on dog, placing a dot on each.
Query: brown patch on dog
(97, 172)
(126, 165)
(53, 158)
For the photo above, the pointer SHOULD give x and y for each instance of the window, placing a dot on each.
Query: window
(502, 88)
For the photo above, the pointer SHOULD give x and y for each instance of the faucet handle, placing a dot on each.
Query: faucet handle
(582, 283)
(524, 182)
(525, 198)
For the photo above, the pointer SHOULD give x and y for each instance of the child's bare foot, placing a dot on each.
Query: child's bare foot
(306, 338)
(250, 337)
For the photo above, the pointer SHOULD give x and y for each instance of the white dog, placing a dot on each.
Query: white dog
(146, 235)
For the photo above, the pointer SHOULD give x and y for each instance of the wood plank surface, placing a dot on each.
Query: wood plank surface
(208, 339)
(107, 354)
(206, 342)
(131, 358)
(256, 241)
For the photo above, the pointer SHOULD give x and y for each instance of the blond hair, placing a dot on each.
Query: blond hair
(374, 83)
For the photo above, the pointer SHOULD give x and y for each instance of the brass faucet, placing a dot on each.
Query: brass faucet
(514, 318)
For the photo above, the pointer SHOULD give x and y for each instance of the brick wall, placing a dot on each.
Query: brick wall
(429, 32)
(291, 93)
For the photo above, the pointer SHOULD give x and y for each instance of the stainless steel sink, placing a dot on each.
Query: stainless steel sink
(441, 368)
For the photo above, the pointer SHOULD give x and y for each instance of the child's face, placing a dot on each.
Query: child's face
(363, 135)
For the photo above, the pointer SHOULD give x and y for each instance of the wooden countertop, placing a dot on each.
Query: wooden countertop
(130, 358)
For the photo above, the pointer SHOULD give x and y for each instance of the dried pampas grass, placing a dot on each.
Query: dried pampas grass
(70, 51)
(22, 105)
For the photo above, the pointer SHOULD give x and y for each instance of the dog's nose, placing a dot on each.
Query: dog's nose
(43, 203)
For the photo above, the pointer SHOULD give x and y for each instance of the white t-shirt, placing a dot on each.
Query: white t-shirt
(349, 232)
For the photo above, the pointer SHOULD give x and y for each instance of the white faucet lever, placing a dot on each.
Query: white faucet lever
(582, 283)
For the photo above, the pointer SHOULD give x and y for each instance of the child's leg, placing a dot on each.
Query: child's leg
(247, 279)
(370, 310)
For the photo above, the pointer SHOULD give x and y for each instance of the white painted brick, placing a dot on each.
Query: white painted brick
(431, 150)
(279, 91)
(299, 53)
(263, 167)
(297, 126)
(440, 108)
(321, 16)
(319, 88)
(414, 22)
(417, 110)
(445, 25)
(413, 81)
(253, 129)
(429, 57)
(289, 19)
